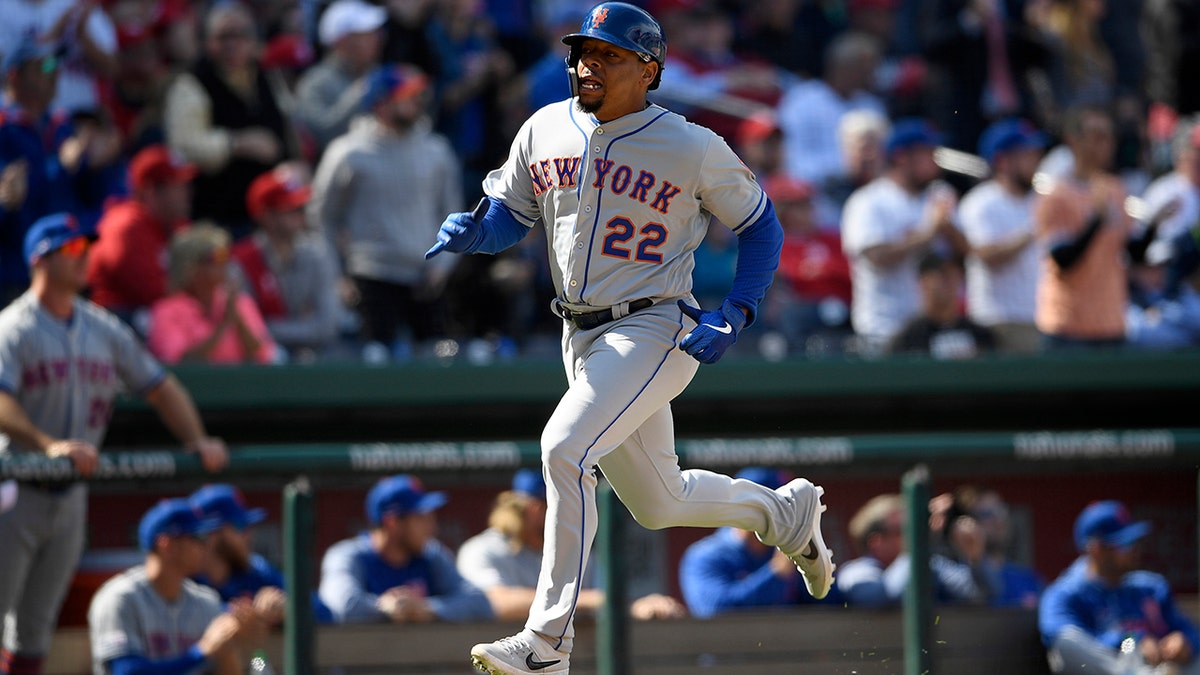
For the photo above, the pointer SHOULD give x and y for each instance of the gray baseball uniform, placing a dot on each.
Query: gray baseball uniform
(128, 617)
(624, 204)
(65, 376)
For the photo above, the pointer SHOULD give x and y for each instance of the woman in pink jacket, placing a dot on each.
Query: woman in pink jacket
(205, 318)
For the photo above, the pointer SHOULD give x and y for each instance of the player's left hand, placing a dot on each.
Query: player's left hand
(716, 330)
(213, 455)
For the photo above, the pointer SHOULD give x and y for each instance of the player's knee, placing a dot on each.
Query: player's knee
(557, 454)
(656, 517)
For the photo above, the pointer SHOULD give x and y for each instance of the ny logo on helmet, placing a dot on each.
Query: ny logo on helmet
(599, 17)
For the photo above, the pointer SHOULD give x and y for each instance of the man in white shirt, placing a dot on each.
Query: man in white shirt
(1182, 184)
(887, 225)
(810, 112)
(996, 217)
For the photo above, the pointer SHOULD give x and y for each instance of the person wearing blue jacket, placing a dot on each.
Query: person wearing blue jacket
(396, 571)
(1104, 615)
(731, 569)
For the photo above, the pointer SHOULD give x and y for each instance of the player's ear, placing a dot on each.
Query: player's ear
(650, 72)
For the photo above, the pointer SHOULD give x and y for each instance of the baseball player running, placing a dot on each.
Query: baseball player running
(62, 362)
(625, 190)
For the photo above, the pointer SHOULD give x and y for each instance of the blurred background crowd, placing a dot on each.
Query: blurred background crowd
(954, 177)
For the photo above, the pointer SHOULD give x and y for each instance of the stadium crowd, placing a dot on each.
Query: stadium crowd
(954, 176)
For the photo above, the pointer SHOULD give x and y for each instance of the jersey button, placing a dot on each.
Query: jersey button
(579, 245)
(599, 132)
(587, 209)
(574, 283)
(596, 149)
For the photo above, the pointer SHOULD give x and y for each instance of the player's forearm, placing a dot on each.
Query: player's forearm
(467, 603)
(15, 423)
(759, 246)
(177, 410)
(499, 230)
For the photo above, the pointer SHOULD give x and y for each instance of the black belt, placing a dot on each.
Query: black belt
(54, 487)
(590, 320)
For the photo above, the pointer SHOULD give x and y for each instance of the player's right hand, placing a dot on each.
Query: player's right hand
(460, 231)
(84, 456)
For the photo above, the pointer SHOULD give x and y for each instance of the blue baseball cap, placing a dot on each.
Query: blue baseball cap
(1010, 134)
(225, 503)
(401, 495)
(911, 132)
(765, 476)
(174, 518)
(392, 81)
(50, 233)
(530, 482)
(1111, 523)
(28, 48)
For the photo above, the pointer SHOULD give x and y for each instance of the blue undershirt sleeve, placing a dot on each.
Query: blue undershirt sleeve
(500, 229)
(759, 245)
(136, 664)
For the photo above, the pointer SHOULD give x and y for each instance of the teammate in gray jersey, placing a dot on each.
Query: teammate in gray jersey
(153, 619)
(62, 362)
(625, 190)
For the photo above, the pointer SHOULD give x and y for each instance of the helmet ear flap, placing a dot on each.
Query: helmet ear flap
(572, 71)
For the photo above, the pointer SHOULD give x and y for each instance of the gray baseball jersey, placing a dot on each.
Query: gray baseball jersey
(65, 375)
(624, 203)
(128, 617)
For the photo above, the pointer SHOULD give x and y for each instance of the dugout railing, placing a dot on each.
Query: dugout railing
(1033, 450)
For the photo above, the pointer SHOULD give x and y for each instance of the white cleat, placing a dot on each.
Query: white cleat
(813, 559)
(525, 653)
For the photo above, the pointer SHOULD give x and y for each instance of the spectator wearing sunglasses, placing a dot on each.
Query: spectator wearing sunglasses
(206, 318)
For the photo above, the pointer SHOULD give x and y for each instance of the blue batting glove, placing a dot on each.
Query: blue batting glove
(716, 330)
(460, 232)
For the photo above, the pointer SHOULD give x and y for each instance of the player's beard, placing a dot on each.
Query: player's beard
(589, 108)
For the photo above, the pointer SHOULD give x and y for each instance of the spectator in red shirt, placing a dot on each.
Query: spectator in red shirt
(813, 295)
(128, 266)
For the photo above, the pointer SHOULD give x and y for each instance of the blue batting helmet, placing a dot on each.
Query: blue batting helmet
(625, 26)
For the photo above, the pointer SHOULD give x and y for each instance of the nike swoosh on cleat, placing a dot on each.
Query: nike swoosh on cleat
(723, 328)
(812, 548)
(534, 664)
